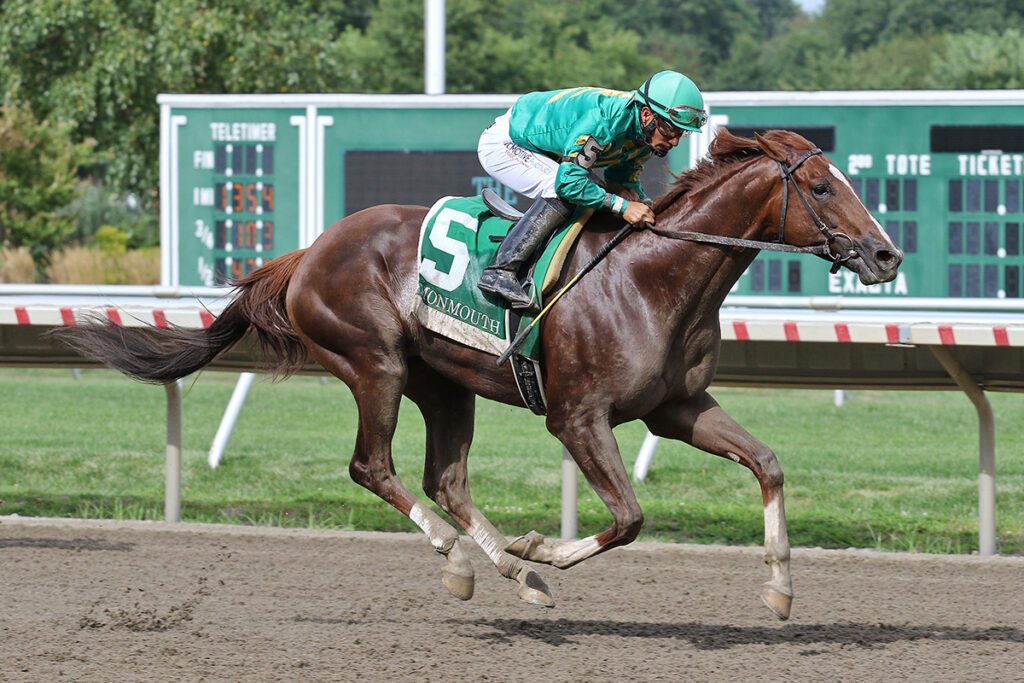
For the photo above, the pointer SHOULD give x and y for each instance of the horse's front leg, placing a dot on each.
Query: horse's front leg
(590, 441)
(702, 423)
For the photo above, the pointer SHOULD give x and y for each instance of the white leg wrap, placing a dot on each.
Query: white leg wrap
(776, 541)
(493, 544)
(442, 536)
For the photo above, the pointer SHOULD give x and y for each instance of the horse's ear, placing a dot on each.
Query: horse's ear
(772, 150)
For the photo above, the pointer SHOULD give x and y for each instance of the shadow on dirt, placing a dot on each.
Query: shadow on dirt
(718, 637)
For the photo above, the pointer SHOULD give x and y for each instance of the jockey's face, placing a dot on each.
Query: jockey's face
(664, 136)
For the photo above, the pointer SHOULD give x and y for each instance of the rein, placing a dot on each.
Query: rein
(826, 250)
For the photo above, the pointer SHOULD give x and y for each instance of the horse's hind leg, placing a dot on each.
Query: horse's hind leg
(590, 441)
(448, 413)
(376, 380)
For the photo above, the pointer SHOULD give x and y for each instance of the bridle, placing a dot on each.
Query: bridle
(830, 250)
(838, 259)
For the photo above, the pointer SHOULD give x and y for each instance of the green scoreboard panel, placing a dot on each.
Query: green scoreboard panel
(941, 171)
(247, 178)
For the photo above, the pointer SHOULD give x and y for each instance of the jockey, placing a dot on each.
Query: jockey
(545, 146)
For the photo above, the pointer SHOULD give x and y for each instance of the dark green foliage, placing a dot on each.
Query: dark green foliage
(96, 207)
(38, 164)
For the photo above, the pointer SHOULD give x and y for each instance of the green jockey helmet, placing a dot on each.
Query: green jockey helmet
(674, 98)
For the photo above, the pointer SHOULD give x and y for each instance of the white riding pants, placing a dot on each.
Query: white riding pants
(527, 172)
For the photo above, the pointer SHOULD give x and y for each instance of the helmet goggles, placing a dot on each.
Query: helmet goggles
(683, 115)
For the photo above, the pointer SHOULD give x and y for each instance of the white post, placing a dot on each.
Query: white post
(643, 458)
(839, 397)
(172, 456)
(433, 48)
(570, 481)
(227, 423)
(986, 448)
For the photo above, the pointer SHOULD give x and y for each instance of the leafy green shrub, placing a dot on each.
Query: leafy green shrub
(110, 240)
(98, 206)
(38, 177)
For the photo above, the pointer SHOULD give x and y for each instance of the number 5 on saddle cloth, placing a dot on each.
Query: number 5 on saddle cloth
(455, 246)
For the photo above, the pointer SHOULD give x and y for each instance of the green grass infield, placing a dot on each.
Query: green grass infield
(888, 470)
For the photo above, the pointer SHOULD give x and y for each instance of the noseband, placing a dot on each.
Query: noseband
(832, 251)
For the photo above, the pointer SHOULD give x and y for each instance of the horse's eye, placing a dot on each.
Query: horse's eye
(822, 189)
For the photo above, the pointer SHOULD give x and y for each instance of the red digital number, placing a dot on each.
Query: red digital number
(245, 197)
(268, 236)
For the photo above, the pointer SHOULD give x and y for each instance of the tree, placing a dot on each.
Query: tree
(745, 69)
(38, 165)
(505, 46)
(98, 65)
(693, 37)
(802, 58)
(902, 63)
(773, 15)
(859, 24)
(980, 60)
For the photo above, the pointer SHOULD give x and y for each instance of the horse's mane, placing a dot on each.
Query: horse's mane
(725, 150)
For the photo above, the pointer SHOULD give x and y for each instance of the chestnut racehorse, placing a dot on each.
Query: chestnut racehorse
(637, 339)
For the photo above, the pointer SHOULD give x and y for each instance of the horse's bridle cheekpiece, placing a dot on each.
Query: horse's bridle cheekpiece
(838, 259)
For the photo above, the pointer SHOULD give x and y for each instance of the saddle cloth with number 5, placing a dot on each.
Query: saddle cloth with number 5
(455, 247)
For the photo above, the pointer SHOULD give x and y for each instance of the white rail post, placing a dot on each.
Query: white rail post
(227, 423)
(643, 458)
(986, 448)
(570, 482)
(172, 456)
(433, 47)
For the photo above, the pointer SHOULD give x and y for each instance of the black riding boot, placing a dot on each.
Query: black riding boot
(500, 278)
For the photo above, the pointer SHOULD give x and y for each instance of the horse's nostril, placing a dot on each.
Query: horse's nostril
(887, 257)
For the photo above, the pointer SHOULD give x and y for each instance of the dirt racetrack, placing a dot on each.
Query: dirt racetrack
(114, 601)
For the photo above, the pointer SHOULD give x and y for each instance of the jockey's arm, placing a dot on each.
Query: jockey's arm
(573, 183)
(626, 174)
(634, 211)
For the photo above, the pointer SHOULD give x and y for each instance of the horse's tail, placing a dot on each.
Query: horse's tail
(162, 355)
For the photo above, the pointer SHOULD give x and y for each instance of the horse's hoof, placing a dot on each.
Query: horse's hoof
(533, 590)
(778, 601)
(459, 585)
(458, 573)
(524, 545)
